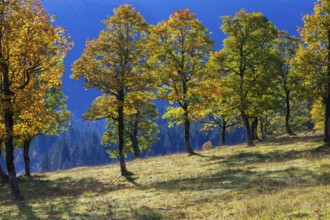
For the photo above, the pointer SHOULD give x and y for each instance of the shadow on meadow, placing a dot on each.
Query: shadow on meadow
(246, 181)
(231, 174)
(145, 212)
(285, 139)
(243, 158)
(54, 197)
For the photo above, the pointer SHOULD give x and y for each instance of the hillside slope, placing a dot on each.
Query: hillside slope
(288, 178)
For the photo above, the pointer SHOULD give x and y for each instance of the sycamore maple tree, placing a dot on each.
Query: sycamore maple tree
(179, 47)
(287, 47)
(313, 57)
(114, 63)
(248, 62)
(31, 56)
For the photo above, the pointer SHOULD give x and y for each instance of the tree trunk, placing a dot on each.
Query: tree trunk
(262, 129)
(3, 175)
(134, 138)
(9, 142)
(186, 133)
(120, 111)
(9, 132)
(249, 140)
(26, 149)
(136, 147)
(327, 100)
(223, 132)
(266, 126)
(287, 112)
(254, 129)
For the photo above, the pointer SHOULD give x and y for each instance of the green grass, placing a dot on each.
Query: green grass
(287, 178)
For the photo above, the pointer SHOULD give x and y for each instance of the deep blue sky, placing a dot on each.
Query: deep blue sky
(82, 19)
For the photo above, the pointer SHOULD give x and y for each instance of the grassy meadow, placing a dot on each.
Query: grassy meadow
(285, 178)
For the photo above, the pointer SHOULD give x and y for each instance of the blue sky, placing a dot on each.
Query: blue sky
(82, 19)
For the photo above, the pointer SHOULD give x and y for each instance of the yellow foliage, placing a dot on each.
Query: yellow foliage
(317, 115)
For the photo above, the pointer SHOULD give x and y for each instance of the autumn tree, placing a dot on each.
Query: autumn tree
(313, 57)
(44, 112)
(114, 64)
(179, 47)
(248, 60)
(31, 54)
(289, 80)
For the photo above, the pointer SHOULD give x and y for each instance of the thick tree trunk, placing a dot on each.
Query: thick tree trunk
(9, 142)
(120, 111)
(326, 137)
(223, 132)
(249, 140)
(3, 175)
(287, 112)
(187, 133)
(254, 129)
(26, 149)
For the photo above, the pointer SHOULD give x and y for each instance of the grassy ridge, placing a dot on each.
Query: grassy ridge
(288, 178)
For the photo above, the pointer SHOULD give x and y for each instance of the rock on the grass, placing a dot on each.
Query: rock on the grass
(207, 146)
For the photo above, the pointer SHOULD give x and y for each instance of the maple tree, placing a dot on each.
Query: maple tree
(31, 56)
(248, 60)
(290, 80)
(313, 57)
(178, 48)
(114, 63)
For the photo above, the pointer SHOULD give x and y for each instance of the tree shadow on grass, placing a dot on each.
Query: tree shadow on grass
(256, 157)
(284, 140)
(145, 212)
(54, 198)
(247, 181)
(199, 155)
(131, 179)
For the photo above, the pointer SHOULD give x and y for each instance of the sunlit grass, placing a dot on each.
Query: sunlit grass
(287, 178)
